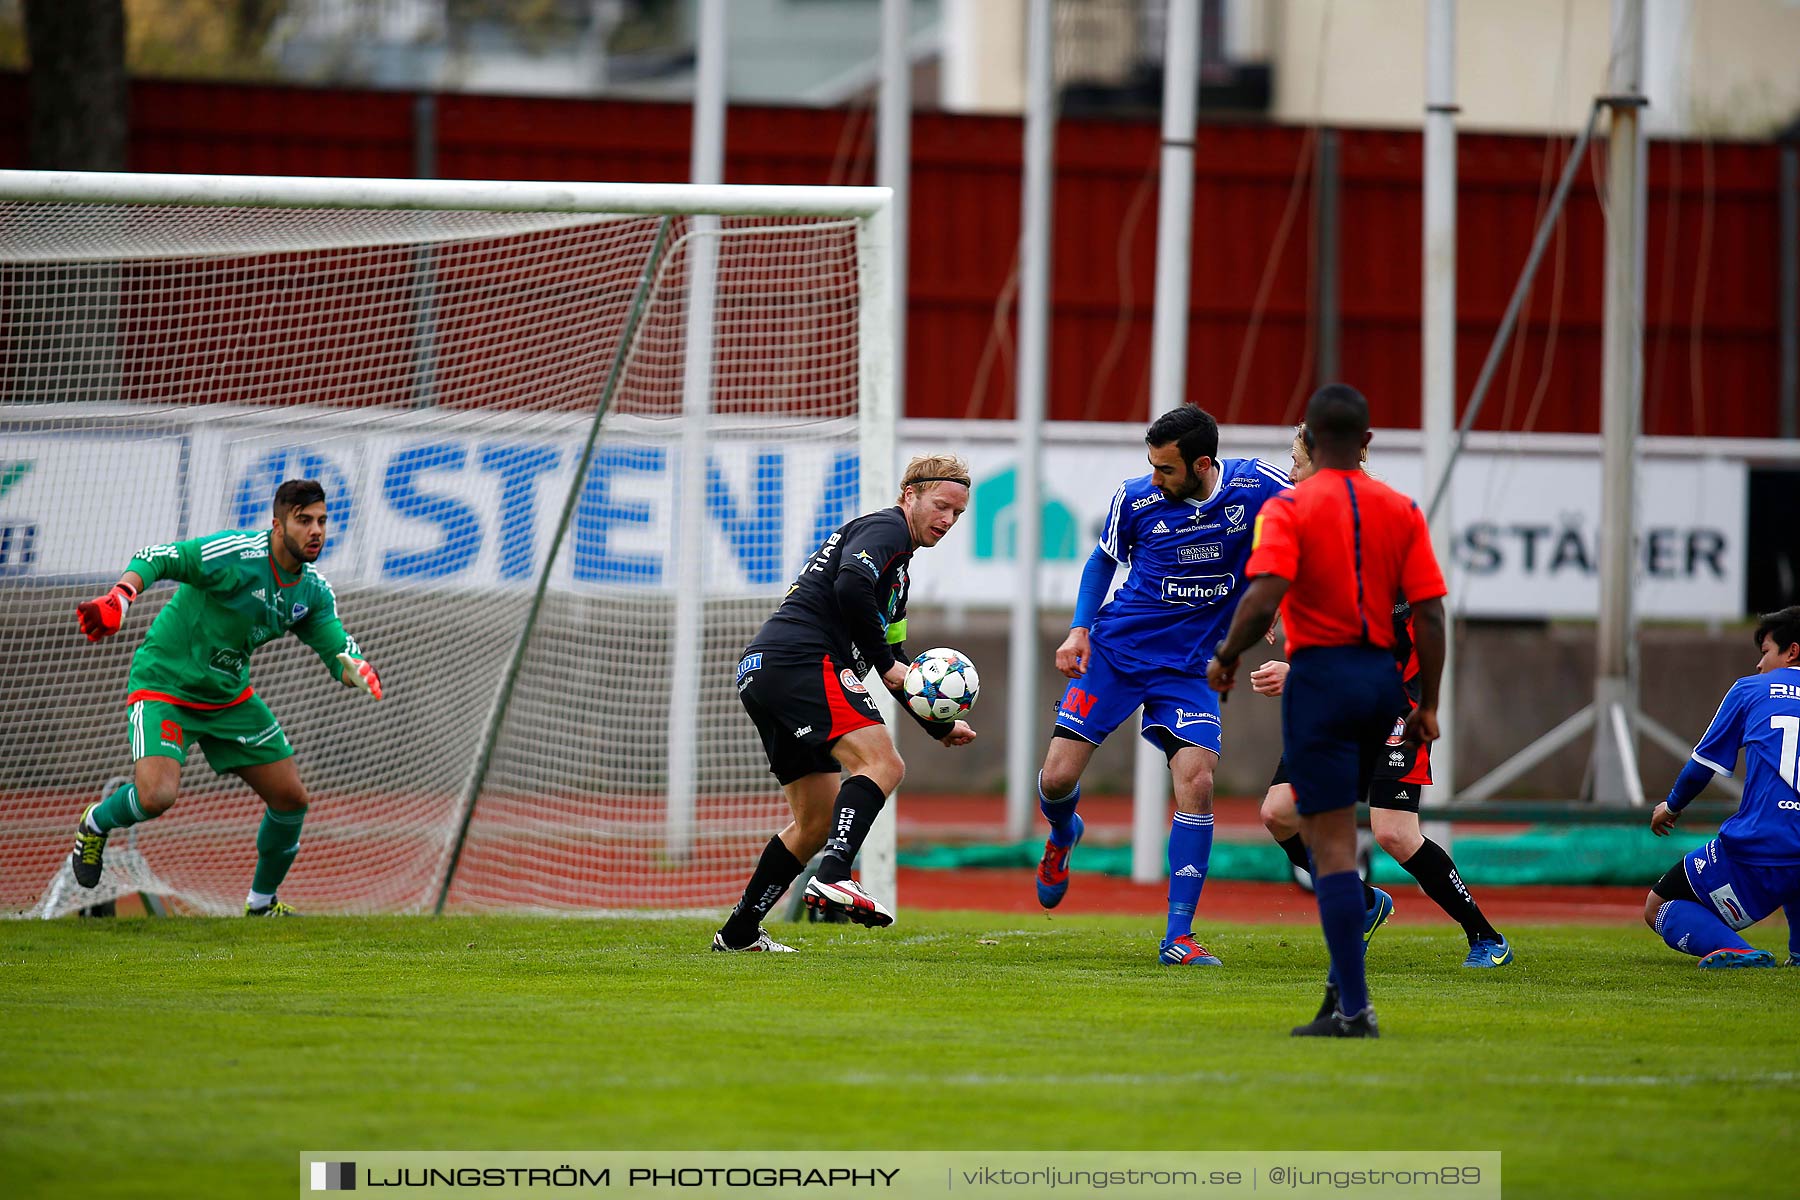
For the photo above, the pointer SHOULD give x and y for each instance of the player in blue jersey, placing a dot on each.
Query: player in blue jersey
(1185, 529)
(1753, 866)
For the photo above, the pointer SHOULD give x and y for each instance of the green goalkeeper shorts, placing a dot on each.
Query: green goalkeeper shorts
(244, 735)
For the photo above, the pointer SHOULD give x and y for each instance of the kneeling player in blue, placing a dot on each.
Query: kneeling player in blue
(1753, 866)
(1185, 529)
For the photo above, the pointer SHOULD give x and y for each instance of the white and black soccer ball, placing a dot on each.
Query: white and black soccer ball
(941, 684)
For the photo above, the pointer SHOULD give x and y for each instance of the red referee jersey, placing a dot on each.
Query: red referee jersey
(1347, 545)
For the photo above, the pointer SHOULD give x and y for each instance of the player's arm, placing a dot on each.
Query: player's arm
(1428, 644)
(182, 562)
(1273, 562)
(1256, 611)
(857, 588)
(324, 632)
(1096, 581)
(1422, 586)
(1716, 754)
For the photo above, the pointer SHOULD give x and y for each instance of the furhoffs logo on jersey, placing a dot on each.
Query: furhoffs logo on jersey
(1197, 589)
(1234, 513)
(851, 683)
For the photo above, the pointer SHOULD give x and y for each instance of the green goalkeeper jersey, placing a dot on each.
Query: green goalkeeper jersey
(233, 597)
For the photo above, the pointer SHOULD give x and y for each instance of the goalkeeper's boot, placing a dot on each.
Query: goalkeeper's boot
(1732, 957)
(763, 944)
(90, 849)
(1377, 914)
(847, 896)
(274, 908)
(1486, 952)
(1053, 867)
(1335, 1024)
(1184, 951)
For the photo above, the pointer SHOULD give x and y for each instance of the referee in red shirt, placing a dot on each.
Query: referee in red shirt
(1334, 553)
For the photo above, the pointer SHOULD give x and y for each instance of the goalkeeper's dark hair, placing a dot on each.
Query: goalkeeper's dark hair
(1782, 627)
(1191, 428)
(297, 493)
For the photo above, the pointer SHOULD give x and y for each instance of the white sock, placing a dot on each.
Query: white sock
(260, 899)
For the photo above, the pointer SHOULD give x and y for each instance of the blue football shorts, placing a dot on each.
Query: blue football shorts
(1177, 704)
(1740, 893)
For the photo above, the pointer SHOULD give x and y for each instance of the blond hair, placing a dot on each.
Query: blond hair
(928, 470)
(1301, 454)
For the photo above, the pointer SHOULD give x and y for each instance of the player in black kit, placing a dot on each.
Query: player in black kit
(801, 679)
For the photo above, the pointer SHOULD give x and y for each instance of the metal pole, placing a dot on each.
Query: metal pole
(1438, 386)
(425, 260)
(706, 165)
(1491, 364)
(1326, 321)
(1790, 288)
(893, 153)
(1033, 381)
(1168, 359)
(503, 700)
(1622, 339)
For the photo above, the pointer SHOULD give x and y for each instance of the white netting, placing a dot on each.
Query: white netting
(438, 372)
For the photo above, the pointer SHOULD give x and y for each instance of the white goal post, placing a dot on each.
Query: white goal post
(576, 439)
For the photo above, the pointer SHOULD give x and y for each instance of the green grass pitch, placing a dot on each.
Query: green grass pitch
(198, 1057)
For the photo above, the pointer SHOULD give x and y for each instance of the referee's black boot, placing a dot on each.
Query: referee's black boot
(1336, 1024)
(1328, 1005)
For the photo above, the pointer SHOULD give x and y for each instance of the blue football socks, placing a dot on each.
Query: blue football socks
(1190, 849)
(1059, 813)
(1341, 917)
(1691, 929)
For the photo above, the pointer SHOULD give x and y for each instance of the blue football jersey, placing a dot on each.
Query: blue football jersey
(1187, 565)
(1761, 716)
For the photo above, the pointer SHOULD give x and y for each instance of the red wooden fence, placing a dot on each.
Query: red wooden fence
(1711, 340)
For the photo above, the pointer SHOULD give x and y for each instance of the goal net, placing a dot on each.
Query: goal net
(575, 438)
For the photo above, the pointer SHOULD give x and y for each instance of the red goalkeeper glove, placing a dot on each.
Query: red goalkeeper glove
(358, 673)
(101, 617)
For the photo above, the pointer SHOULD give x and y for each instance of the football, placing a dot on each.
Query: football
(941, 684)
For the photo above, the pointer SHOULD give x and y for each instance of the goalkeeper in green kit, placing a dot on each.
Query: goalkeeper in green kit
(190, 680)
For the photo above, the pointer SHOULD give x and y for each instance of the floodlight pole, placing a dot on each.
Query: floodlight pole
(706, 165)
(1614, 765)
(1438, 391)
(1168, 359)
(1029, 405)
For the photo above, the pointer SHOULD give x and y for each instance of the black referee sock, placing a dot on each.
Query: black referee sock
(858, 803)
(1438, 879)
(774, 871)
(1296, 852)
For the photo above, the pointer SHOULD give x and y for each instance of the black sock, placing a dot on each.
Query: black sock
(1297, 854)
(1438, 879)
(858, 803)
(774, 871)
